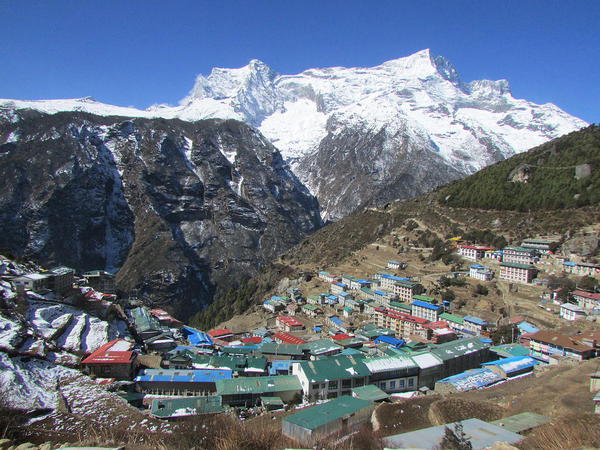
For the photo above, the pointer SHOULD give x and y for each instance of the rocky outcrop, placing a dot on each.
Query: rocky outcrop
(180, 209)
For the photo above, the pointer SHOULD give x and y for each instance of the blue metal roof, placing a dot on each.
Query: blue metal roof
(475, 320)
(184, 376)
(196, 337)
(390, 340)
(280, 365)
(394, 277)
(477, 266)
(569, 263)
(514, 364)
(426, 305)
(343, 294)
(381, 293)
(472, 379)
(336, 320)
(526, 327)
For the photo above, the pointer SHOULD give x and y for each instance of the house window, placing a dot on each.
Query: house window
(333, 385)
(392, 385)
(315, 386)
(346, 383)
(382, 385)
(411, 382)
(401, 384)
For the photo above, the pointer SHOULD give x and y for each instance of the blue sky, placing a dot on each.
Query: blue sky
(141, 52)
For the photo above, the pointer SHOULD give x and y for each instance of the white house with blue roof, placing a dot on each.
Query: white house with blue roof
(474, 325)
(480, 272)
(426, 310)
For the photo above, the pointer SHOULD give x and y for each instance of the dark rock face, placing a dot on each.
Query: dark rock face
(352, 169)
(180, 209)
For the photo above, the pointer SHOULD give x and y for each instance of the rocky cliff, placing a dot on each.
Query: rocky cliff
(181, 209)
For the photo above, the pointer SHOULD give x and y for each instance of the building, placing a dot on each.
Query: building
(393, 374)
(221, 334)
(400, 323)
(273, 306)
(406, 290)
(545, 345)
(337, 288)
(329, 278)
(197, 338)
(512, 367)
(340, 415)
(288, 323)
(569, 311)
(331, 377)
(274, 351)
(520, 255)
(396, 265)
(145, 324)
(474, 325)
(480, 272)
(521, 273)
(166, 319)
(286, 338)
(455, 322)
(589, 301)
(32, 281)
(101, 281)
(426, 310)
(174, 408)
(311, 310)
(112, 360)
(582, 269)
(180, 382)
(371, 393)
(248, 391)
(321, 347)
(481, 435)
(544, 246)
(61, 279)
(387, 282)
(461, 354)
(467, 381)
(473, 252)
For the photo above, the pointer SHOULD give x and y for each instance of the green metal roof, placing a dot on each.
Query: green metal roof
(520, 249)
(369, 392)
(407, 284)
(372, 331)
(521, 422)
(186, 406)
(310, 307)
(341, 367)
(235, 363)
(320, 346)
(271, 401)
(517, 265)
(273, 348)
(400, 305)
(509, 350)
(460, 347)
(317, 416)
(424, 298)
(143, 320)
(258, 385)
(452, 318)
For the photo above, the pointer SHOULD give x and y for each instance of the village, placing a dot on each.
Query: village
(332, 349)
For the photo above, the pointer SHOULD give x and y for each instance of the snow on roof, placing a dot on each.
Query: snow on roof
(571, 307)
(113, 352)
(427, 360)
(391, 363)
(514, 364)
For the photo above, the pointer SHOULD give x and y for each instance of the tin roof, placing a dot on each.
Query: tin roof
(258, 385)
(317, 416)
(186, 406)
(113, 352)
(369, 392)
(337, 368)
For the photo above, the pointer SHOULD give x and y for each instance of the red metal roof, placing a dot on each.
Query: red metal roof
(405, 317)
(586, 294)
(341, 336)
(437, 325)
(290, 321)
(219, 333)
(106, 354)
(476, 247)
(289, 339)
(252, 340)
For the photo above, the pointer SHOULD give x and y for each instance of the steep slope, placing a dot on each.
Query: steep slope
(563, 173)
(539, 207)
(359, 136)
(182, 209)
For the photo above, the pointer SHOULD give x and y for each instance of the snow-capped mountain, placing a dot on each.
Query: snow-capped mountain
(356, 136)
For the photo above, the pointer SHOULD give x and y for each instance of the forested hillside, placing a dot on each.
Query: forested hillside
(563, 173)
